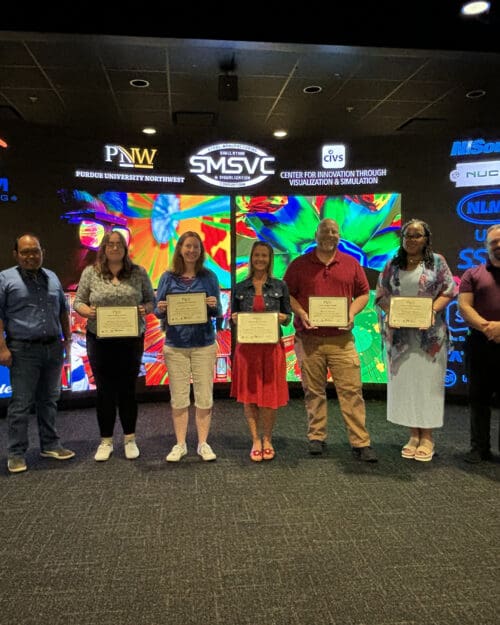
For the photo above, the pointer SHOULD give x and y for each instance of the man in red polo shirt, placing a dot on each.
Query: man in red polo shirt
(326, 272)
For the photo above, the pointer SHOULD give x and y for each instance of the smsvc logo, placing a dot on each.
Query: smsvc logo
(481, 207)
(232, 165)
(333, 156)
(136, 158)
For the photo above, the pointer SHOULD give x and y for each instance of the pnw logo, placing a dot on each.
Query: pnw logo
(130, 158)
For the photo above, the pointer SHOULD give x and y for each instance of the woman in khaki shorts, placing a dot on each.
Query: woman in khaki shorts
(190, 349)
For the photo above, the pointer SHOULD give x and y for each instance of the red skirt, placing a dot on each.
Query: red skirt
(259, 375)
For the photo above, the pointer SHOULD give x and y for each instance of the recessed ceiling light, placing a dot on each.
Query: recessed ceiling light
(149, 131)
(475, 94)
(478, 7)
(139, 83)
(313, 89)
(280, 134)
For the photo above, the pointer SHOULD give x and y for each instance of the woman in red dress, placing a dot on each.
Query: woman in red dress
(259, 369)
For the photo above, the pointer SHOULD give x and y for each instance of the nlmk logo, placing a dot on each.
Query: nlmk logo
(231, 165)
(136, 158)
(481, 207)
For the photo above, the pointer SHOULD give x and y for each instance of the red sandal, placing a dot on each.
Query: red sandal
(268, 453)
(256, 455)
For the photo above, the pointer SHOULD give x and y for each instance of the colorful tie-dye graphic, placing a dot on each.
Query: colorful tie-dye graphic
(152, 223)
(369, 226)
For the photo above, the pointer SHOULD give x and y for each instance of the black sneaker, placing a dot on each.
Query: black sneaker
(366, 454)
(316, 447)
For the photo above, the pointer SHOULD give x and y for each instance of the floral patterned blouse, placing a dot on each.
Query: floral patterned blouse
(433, 282)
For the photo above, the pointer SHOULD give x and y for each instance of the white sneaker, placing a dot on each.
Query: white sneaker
(131, 450)
(206, 452)
(103, 452)
(177, 452)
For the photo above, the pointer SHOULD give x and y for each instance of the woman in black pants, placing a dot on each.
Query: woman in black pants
(114, 281)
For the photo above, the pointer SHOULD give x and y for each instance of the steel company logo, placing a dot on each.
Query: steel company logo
(474, 146)
(130, 158)
(333, 156)
(450, 378)
(477, 174)
(481, 207)
(5, 196)
(232, 165)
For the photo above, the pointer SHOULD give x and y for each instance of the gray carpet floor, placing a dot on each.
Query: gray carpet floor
(300, 540)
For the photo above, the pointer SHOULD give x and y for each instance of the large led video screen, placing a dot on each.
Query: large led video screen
(152, 223)
(369, 224)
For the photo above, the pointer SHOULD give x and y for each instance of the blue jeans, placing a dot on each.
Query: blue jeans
(35, 377)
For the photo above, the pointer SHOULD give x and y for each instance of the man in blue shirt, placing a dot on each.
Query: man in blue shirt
(34, 317)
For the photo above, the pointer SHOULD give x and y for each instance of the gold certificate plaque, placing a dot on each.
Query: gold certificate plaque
(328, 312)
(186, 308)
(410, 312)
(117, 321)
(257, 327)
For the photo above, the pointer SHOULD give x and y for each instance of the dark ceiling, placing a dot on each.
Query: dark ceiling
(380, 73)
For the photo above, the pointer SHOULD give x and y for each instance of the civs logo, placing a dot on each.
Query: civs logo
(333, 156)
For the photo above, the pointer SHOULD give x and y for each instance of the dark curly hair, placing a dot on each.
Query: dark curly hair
(401, 258)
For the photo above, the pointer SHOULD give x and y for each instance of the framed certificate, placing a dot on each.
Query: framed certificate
(410, 312)
(328, 311)
(261, 327)
(117, 321)
(186, 308)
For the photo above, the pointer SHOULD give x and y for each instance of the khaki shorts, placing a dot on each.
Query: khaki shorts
(191, 363)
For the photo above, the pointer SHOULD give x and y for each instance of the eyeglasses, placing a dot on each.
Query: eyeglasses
(118, 246)
(413, 236)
